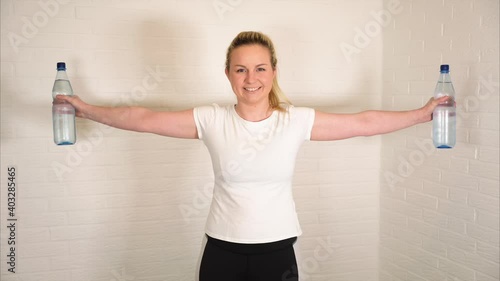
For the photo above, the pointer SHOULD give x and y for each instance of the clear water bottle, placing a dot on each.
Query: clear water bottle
(63, 114)
(444, 115)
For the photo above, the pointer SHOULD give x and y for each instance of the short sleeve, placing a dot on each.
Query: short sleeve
(204, 118)
(304, 117)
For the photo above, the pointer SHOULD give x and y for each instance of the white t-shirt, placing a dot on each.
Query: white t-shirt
(253, 165)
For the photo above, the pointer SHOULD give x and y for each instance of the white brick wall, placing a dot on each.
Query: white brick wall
(441, 221)
(121, 205)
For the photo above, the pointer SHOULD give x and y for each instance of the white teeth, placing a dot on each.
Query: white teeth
(252, 89)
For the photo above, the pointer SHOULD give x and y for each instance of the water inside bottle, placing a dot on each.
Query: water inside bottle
(64, 124)
(444, 126)
(62, 87)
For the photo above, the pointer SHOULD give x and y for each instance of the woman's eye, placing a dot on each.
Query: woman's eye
(240, 70)
(261, 69)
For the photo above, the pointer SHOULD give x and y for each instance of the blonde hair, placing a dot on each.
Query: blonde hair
(276, 96)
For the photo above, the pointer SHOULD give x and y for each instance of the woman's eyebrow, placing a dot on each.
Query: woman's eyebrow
(262, 64)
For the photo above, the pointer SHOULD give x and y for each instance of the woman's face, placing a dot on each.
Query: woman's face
(251, 74)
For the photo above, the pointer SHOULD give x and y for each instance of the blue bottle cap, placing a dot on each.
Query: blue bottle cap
(445, 68)
(61, 66)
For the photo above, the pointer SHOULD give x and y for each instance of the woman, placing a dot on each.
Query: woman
(252, 223)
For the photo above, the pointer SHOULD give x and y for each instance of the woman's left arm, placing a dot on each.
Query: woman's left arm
(331, 126)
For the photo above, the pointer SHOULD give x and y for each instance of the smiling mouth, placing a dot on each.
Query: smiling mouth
(252, 89)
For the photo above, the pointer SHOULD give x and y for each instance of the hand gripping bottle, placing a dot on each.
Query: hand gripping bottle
(444, 115)
(63, 114)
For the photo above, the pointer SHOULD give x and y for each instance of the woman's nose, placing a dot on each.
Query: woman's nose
(250, 77)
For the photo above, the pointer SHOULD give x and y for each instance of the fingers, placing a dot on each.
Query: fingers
(65, 98)
(445, 98)
(433, 102)
(431, 105)
(75, 101)
(69, 99)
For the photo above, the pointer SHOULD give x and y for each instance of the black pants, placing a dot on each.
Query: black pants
(225, 261)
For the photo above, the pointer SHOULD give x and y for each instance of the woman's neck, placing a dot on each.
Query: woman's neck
(253, 113)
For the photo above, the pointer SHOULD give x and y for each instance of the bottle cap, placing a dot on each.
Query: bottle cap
(61, 66)
(445, 68)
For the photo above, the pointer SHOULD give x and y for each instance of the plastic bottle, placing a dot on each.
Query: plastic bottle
(63, 114)
(444, 115)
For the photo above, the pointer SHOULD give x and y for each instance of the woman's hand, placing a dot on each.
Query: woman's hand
(75, 101)
(429, 107)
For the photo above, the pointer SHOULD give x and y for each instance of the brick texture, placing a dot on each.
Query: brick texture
(459, 224)
(126, 206)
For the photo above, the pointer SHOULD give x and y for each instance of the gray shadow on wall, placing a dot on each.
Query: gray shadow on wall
(173, 242)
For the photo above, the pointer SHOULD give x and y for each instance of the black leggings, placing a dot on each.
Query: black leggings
(225, 261)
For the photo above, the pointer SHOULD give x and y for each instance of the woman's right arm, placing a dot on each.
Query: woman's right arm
(178, 124)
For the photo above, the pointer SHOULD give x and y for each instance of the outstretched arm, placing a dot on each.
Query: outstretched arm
(179, 124)
(330, 126)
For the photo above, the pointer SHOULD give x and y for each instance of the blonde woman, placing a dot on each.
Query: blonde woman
(252, 224)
